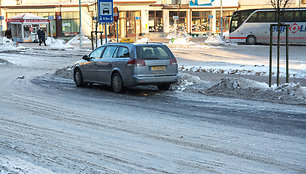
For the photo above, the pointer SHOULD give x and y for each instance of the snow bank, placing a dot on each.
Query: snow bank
(16, 165)
(180, 41)
(216, 40)
(257, 70)
(65, 73)
(4, 62)
(251, 90)
(57, 43)
(76, 40)
(242, 88)
(8, 44)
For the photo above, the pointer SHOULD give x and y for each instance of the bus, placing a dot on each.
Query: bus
(253, 26)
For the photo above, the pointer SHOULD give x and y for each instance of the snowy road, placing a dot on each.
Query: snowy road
(47, 125)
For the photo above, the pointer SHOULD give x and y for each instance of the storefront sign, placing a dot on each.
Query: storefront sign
(1, 18)
(210, 16)
(105, 11)
(175, 17)
(27, 20)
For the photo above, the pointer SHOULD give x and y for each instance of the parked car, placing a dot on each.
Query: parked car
(120, 65)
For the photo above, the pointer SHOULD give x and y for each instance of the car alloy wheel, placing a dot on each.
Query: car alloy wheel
(117, 83)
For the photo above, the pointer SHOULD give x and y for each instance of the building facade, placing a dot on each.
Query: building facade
(136, 17)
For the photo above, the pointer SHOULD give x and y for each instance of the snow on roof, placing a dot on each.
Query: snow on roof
(27, 16)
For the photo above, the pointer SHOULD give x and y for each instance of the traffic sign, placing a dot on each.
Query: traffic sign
(1, 18)
(116, 14)
(105, 11)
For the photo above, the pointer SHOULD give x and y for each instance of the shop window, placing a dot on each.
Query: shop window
(200, 21)
(181, 22)
(226, 20)
(155, 21)
(70, 27)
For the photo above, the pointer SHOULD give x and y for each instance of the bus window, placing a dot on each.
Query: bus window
(300, 16)
(253, 18)
(287, 16)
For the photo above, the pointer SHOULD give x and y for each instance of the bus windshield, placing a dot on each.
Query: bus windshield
(238, 18)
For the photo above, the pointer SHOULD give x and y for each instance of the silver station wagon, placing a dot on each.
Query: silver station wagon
(120, 65)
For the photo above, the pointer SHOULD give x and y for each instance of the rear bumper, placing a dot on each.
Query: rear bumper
(146, 80)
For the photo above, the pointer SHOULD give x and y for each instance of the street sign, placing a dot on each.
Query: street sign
(1, 18)
(51, 17)
(137, 17)
(175, 17)
(210, 16)
(105, 11)
(95, 18)
(116, 14)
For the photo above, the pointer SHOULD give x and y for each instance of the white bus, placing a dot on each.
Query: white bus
(253, 26)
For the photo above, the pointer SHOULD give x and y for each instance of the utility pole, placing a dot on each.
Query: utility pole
(80, 35)
(221, 22)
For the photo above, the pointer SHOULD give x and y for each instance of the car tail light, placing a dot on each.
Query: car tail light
(173, 61)
(136, 62)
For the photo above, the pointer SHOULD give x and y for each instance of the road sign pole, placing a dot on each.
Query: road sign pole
(80, 36)
(117, 31)
(105, 33)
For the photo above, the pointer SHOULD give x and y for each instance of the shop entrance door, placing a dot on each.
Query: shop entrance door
(131, 27)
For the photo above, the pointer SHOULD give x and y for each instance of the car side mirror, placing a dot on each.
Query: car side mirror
(86, 58)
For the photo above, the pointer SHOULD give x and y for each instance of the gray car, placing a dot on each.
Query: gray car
(127, 64)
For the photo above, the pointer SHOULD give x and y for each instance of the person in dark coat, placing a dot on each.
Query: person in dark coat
(8, 33)
(41, 37)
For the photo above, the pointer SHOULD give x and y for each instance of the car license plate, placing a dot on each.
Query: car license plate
(157, 68)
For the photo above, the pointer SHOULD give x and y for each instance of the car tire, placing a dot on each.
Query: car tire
(117, 83)
(164, 87)
(251, 40)
(78, 78)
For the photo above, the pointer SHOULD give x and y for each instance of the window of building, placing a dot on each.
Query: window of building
(200, 21)
(226, 20)
(181, 22)
(155, 21)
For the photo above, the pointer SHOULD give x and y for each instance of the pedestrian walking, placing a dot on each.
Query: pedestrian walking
(41, 37)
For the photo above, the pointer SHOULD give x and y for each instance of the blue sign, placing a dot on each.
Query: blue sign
(210, 16)
(95, 18)
(1, 18)
(105, 11)
(50, 17)
(137, 17)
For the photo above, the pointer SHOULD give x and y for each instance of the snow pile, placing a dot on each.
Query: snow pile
(4, 62)
(143, 40)
(8, 44)
(257, 70)
(65, 73)
(16, 165)
(216, 40)
(76, 40)
(251, 90)
(58, 43)
(180, 38)
(185, 80)
(180, 41)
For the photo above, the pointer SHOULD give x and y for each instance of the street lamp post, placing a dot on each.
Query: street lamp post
(221, 22)
(80, 36)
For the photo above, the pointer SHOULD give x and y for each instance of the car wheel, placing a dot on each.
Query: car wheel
(78, 78)
(164, 86)
(117, 83)
(251, 40)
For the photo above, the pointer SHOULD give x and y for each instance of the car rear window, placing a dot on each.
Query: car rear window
(153, 52)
